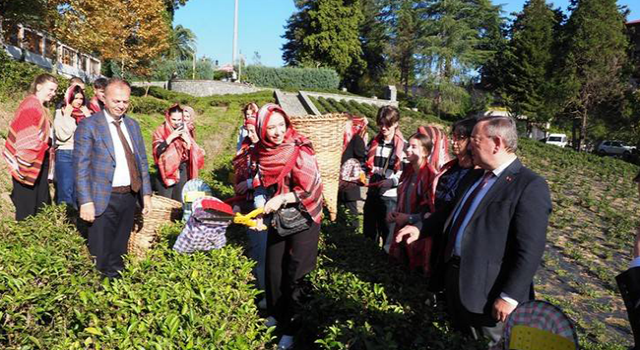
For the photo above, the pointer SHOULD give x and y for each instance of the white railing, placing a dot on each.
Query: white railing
(37, 47)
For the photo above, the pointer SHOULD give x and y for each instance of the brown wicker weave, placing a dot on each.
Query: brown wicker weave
(145, 228)
(325, 132)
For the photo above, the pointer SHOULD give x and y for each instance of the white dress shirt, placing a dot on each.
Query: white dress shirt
(121, 176)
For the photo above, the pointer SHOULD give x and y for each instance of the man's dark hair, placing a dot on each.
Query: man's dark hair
(463, 128)
(100, 83)
(388, 115)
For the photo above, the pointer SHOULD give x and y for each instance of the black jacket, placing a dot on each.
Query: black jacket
(505, 239)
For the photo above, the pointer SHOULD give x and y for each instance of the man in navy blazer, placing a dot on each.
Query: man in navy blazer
(111, 174)
(496, 233)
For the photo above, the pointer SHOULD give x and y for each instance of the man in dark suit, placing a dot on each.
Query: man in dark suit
(111, 174)
(495, 233)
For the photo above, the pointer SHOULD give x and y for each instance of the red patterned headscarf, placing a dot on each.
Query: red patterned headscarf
(440, 151)
(294, 158)
(69, 96)
(176, 153)
(355, 125)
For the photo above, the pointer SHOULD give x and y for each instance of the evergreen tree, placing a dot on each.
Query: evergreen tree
(594, 57)
(454, 43)
(324, 33)
(374, 40)
(406, 34)
(528, 88)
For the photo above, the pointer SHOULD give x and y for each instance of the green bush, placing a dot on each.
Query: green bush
(292, 78)
(52, 298)
(148, 105)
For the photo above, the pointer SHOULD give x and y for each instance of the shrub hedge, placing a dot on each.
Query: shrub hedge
(52, 298)
(292, 78)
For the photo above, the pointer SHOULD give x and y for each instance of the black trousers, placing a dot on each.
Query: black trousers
(469, 323)
(375, 225)
(29, 200)
(174, 192)
(109, 233)
(289, 259)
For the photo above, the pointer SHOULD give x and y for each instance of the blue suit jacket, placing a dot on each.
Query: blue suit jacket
(95, 161)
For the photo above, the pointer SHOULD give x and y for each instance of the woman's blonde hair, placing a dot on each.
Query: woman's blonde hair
(41, 79)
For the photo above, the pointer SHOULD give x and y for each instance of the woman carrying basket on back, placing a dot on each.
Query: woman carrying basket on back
(176, 154)
(289, 171)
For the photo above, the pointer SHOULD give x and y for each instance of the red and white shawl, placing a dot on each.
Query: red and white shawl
(398, 149)
(355, 125)
(416, 254)
(290, 165)
(176, 153)
(27, 142)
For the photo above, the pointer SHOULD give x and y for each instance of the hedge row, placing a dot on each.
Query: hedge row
(52, 298)
(292, 78)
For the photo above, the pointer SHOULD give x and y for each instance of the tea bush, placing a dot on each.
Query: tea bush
(292, 78)
(52, 298)
(148, 105)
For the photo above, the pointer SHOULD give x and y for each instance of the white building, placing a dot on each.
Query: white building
(41, 49)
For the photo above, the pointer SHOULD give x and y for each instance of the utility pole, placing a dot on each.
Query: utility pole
(193, 77)
(235, 34)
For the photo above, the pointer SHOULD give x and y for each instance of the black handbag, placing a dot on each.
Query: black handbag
(290, 220)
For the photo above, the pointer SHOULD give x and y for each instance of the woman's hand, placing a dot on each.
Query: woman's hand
(385, 185)
(175, 134)
(274, 204)
(67, 110)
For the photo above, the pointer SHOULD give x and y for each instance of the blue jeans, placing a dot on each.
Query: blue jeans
(258, 253)
(65, 177)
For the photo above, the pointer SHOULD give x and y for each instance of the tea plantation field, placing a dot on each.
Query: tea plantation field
(50, 298)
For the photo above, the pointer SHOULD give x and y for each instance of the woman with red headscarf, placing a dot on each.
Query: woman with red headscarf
(414, 200)
(289, 171)
(353, 156)
(176, 154)
(71, 112)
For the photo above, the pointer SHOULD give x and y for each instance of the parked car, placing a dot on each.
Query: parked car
(616, 148)
(559, 140)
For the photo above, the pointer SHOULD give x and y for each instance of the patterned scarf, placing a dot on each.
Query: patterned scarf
(440, 151)
(398, 149)
(175, 154)
(355, 126)
(294, 159)
(28, 141)
(95, 105)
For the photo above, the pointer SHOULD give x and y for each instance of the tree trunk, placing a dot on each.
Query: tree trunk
(583, 131)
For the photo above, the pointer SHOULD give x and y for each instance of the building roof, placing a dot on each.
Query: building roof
(634, 23)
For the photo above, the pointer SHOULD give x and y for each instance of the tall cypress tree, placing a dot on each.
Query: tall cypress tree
(527, 86)
(594, 57)
(325, 33)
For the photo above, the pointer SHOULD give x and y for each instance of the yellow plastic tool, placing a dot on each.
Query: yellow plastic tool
(529, 338)
(248, 219)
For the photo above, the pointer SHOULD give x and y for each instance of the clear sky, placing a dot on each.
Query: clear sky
(261, 25)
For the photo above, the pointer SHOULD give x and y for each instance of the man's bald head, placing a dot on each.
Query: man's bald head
(117, 94)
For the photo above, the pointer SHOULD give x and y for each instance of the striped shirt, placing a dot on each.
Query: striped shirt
(383, 152)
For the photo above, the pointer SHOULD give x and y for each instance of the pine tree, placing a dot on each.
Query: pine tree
(406, 34)
(528, 88)
(454, 43)
(594, 57)
(324, 33)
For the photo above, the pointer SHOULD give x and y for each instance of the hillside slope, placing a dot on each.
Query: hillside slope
(359, 299)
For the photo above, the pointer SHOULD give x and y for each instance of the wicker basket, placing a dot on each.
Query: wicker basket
(325, 132)
(145, 228)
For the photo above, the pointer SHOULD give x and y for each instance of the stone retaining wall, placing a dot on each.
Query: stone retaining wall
(338, 97)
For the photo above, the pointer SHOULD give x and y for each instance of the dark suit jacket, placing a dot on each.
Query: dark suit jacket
(504, 241)
(95, 161)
